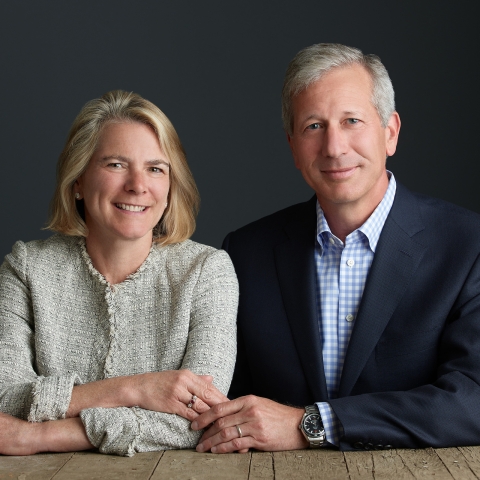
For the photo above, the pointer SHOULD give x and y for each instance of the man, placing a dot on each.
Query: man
(364, 302)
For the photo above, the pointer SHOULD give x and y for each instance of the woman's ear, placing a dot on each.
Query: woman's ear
(77, 189)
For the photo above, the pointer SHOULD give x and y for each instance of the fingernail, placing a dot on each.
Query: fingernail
(194, 426)
(200, 447)
(213, 449)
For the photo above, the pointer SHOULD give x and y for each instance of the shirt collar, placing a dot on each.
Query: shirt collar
(374, 223)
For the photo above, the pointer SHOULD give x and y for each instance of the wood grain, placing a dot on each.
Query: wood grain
(97, 466)
(462, 463)
(310, 464)
(359, 465)
(261, 466)
(190, 465)
(456, 463)
(472, 457)
(36, 467)
(388, 464)
(425, 464)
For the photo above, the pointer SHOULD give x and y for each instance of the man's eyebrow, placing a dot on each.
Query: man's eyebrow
(316, 116)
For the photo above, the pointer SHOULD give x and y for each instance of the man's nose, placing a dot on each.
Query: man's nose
(334, 142)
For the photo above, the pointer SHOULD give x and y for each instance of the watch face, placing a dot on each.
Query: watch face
(313, 426)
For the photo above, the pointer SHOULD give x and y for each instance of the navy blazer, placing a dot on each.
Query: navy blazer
(412, 369)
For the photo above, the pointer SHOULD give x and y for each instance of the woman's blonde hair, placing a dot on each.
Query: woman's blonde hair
(178, 220)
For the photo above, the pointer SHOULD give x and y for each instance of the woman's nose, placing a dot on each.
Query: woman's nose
(135, 183)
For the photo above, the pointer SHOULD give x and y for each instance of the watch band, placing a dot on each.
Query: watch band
(315, 440)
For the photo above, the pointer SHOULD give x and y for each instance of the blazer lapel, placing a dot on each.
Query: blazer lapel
(295, 265)
(396, 259)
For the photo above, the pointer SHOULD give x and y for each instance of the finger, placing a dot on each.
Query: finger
(207, 378)
(200, 406)
(238, 445)
(222, 436)
(227, 440)
(188, 413)
(206, 391)
(218, 411)
(225, 423)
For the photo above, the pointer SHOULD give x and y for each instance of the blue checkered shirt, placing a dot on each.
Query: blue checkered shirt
(342, 270)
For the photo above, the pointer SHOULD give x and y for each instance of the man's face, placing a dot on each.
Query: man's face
(338, 142)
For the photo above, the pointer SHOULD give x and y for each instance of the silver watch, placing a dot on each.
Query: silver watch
(312, 427)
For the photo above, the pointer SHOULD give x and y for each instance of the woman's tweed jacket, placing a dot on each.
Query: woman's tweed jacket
(63, 324)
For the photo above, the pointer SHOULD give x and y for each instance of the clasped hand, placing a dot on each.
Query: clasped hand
(171, 391)
(168, 391)
(263, 425)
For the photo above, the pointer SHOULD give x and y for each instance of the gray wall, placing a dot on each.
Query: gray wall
(216, 68)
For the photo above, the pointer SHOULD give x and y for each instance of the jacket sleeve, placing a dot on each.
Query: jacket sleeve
(442, 413)
(211, 349)
(23, 393)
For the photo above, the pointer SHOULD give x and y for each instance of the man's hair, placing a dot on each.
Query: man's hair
(67, 214)
(311, 63)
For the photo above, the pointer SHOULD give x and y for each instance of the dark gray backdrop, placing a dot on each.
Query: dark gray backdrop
(216, 69)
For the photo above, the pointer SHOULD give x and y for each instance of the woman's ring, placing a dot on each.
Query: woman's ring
(192, 401)
(239, 430)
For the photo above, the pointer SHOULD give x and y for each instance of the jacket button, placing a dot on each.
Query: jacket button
(358, 445)
(378, 447)
(387, 447)
(368, 446)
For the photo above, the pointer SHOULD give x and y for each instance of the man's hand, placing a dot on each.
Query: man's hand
(265, 425)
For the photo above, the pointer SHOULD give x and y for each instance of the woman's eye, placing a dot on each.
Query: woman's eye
(115, 165)
(158, 170)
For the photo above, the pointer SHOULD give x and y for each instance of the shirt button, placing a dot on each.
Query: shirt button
(350, 262)
(331, 240)
(349, 318)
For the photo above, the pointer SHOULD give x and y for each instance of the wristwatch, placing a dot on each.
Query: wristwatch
(312, 427)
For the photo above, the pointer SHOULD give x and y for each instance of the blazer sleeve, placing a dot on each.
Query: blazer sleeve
(23, 393)
(443, 413)
(211, 349)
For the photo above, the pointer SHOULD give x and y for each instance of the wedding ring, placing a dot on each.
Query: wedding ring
(239, 430)
(192, 401)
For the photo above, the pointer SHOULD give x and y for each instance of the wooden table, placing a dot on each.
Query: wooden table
(461, 463)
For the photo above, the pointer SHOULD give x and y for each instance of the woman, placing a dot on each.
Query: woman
(102, 325)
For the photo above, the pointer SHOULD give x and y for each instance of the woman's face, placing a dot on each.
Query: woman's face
(125, 185)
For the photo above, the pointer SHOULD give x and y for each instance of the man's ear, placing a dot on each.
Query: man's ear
(392, 131)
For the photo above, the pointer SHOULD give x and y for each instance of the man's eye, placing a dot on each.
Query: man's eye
(352, 121)
(115, 165)
(314, 126)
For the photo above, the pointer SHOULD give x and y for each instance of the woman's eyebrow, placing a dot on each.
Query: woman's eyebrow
(155, 161)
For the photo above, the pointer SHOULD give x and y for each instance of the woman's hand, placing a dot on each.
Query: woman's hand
(169, 391)
(172, 391)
